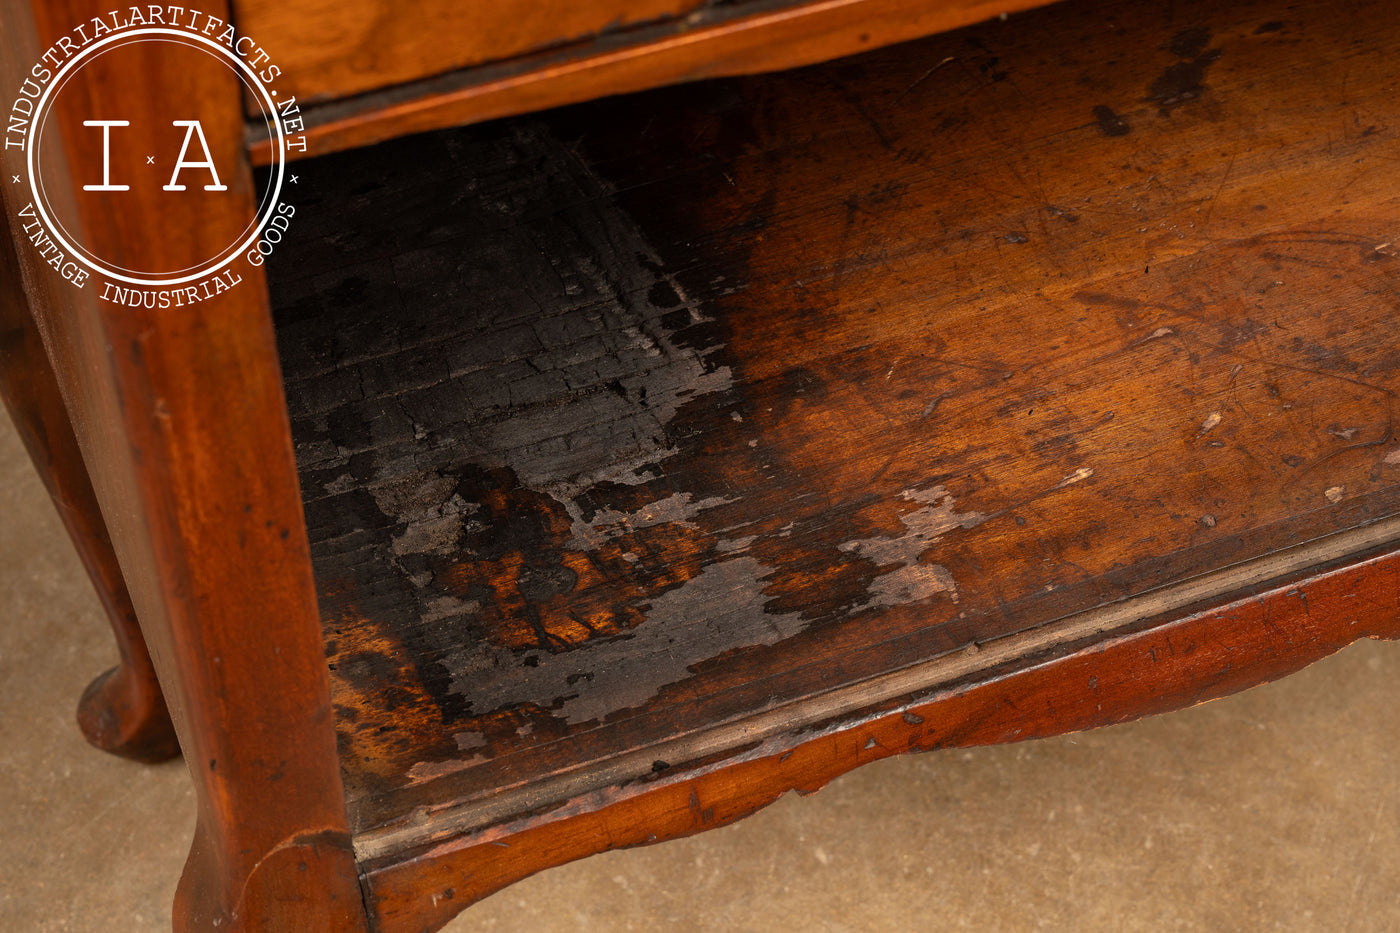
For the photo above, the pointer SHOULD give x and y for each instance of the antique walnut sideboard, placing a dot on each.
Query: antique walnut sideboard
(575, 477)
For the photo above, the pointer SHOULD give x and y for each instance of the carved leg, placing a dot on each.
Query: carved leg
(122, 711)
(183, 423)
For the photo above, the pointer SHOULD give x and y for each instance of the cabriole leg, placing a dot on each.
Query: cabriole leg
(122, 711)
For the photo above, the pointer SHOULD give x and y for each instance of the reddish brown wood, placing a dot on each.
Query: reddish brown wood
(122, 711)
(1173, 664)
(730, 41)
(930, 358)
(1130, 311)
(1035, 392)
(331, 49)
(181, 420)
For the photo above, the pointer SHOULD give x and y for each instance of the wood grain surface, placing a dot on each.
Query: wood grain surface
(1160, 667)
(723, 38)
(636, 422)
(122, 711)
(181, 422)
(329, 49)
(666, 453)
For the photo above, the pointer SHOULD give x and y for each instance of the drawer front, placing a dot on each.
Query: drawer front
(329, 49)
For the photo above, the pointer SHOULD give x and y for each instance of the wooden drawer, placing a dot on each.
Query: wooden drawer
(364, 71)
(336, 48)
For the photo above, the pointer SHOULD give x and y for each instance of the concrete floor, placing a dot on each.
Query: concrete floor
(1273, 810)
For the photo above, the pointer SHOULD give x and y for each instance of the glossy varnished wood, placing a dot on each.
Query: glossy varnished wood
(181, 422)
(724, 39)
(649, 449)
(332, 50)
(122, 711)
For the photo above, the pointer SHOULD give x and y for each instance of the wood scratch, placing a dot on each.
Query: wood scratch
(1077, 476)
(1229, 167)
(923, 77)
(932, 405)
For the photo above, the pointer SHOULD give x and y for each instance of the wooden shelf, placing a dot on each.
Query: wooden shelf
(637, 435)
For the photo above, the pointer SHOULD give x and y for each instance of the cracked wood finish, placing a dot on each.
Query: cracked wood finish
(665, 454)
(653, 445)
(1161, 666)
(181, 425)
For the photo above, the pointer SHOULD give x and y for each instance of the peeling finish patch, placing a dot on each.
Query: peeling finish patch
(430, 536)
(639, 378)
(342, 483)
(1211, 421)
(911, 584)
(426, 771)
(1393, 457)
(720, 610)
(466, 741)
(1334, 494)
(909, 580)
(479, 448)
(448, 607)
(566, 400)
(429, 509)
(676, 508)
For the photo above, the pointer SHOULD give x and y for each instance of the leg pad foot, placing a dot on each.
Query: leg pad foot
(121, 715)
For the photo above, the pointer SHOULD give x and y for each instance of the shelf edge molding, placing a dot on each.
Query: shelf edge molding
(1175, 647)
(726, 43)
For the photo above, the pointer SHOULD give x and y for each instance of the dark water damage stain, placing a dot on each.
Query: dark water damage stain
(1110, 123)
(486, 494)
(1183, 81)
(539, 477)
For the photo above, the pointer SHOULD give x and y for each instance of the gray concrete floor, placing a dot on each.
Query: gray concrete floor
(1272, 810)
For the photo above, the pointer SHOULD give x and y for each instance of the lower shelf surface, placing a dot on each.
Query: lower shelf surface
(652, 417)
